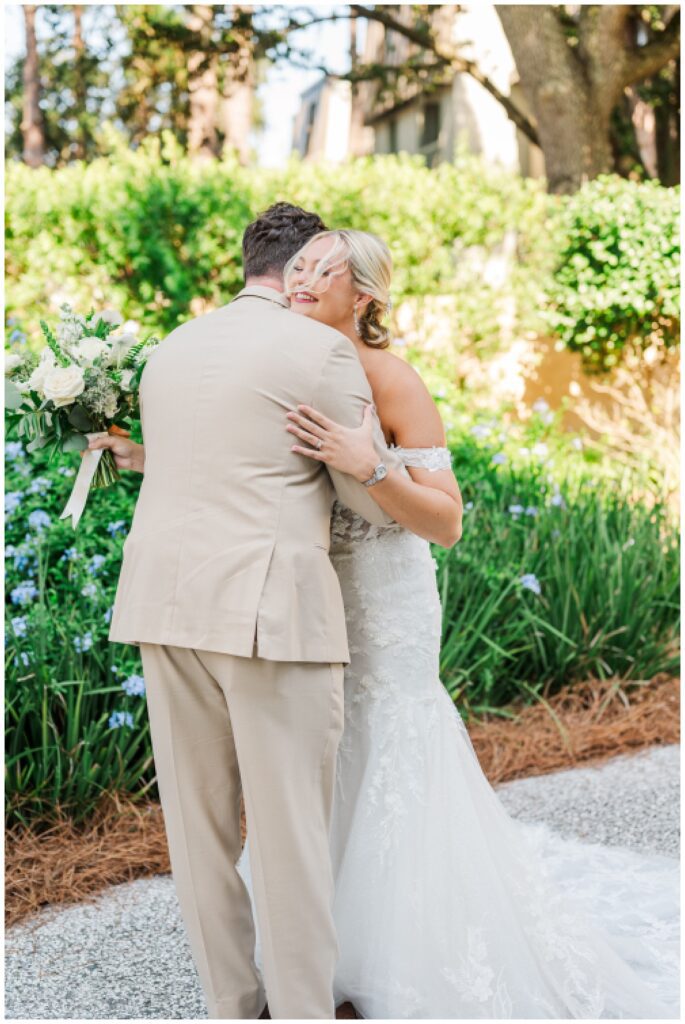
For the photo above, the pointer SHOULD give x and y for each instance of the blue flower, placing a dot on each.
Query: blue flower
(107, 615)
(468, 506)
(118, 527)
(134, 686)
(577, 443)
(40, 485)
(12, 501)
(557, 499)
(70, 555)
(516, 510)
(13, 450)
(66, 470)
(39, 519)
(25, 660)
(90, 590)
(499, 458)
(530, 581)
(17, 335)
(24, 593)
(531, 510)
(95, 563)
(83, 643)
(116, 670)
(19, 625)
(480, 430)
(119, 718)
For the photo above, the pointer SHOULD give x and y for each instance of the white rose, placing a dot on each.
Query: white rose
(109, 316)
(89, 349)
(121, 343)
(63, 384)
(126, 376)
(12, 361)
(36, 381)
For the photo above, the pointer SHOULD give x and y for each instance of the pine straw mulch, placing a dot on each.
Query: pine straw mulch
(583, 724)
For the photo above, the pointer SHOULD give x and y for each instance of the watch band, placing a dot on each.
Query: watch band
(379, 473)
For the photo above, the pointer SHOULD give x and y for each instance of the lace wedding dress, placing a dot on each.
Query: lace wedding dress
(445, 905)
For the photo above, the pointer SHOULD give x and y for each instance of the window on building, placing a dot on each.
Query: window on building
(392, 136)
(431, 124)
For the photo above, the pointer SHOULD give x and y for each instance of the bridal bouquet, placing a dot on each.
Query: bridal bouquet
(84, 382)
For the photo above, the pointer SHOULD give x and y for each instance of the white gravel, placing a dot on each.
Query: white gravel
(125, 956)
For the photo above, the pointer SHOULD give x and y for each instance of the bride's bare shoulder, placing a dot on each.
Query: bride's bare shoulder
(392, 376)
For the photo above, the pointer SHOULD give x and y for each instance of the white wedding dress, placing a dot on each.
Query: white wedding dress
(445, 905)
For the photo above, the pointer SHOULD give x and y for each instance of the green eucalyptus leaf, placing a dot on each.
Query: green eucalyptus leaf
(74, 443)
(13, 396)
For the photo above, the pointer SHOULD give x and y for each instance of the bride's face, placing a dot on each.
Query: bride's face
(329, 298)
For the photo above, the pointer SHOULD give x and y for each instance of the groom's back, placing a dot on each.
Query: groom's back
(231, 528)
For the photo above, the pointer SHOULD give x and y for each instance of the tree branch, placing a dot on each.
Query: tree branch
(647, 60)
(426, 41)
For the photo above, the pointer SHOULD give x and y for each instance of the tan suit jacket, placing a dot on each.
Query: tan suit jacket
(231, 530)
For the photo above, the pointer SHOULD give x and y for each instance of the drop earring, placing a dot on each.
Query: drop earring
(355, 315)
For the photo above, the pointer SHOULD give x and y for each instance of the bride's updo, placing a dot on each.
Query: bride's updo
(370, 265)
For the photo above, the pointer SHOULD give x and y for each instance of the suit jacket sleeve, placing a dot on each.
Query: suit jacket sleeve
(342, 394)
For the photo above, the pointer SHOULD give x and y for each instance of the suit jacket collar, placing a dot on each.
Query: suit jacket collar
(260, 291)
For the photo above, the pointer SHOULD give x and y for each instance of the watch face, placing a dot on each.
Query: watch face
(381, 472)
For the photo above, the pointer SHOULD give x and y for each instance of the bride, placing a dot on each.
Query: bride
(445, 906)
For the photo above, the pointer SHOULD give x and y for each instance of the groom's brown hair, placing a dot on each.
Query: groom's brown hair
(275, 236)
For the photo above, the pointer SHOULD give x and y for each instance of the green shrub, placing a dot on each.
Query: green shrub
(616, 281)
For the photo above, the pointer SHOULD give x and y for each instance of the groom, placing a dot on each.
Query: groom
(227, 587)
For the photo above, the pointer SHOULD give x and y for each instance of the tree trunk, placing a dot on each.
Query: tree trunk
(238, 89)
(79, 149)
(202, 87)
(572, 113)
(32, 121)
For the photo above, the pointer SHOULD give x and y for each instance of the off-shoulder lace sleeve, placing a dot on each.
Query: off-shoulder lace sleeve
(425, 458)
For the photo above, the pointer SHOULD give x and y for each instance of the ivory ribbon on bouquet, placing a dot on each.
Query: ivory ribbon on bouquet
(79, 492)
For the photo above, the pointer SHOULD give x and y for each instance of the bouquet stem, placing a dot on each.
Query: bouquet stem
(106, 472)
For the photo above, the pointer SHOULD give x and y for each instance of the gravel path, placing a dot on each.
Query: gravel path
(126, 956)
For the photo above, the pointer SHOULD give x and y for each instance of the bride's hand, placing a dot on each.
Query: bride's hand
(347, 449)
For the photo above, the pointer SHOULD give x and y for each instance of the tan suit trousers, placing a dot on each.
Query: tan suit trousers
(222, 724)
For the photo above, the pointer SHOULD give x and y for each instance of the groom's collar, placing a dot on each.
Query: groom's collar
(261, 291)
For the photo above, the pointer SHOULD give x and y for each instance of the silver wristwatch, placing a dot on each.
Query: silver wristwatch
(379, 473)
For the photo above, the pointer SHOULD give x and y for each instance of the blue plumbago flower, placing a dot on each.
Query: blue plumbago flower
(39, 519)
(530, 581)
(499, 458)
(83, 643)
(12, 501)
(24, 557)
(480, 430)
(531, 510)
(577, 443)
(70, 555)
(516, 510)
(24, 593)
(468, 506)
(540, 449)
(10, 551)
(108, 615)
(17, 335)
(13, 450)
(116, 670)
(11, 320)
(40, 485)
(66, 471)
(135, 685)
(118, 527)
(25, 660)
(557, 499)
(95, 563)
(119, 718)
(90, 590)
(19, 623)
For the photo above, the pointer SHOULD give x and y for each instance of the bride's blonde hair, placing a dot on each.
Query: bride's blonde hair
(370, 264)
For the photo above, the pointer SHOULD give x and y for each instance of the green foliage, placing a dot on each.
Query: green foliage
(608, 573)
(616, 281)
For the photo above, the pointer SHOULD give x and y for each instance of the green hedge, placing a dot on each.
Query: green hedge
(149, 231)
